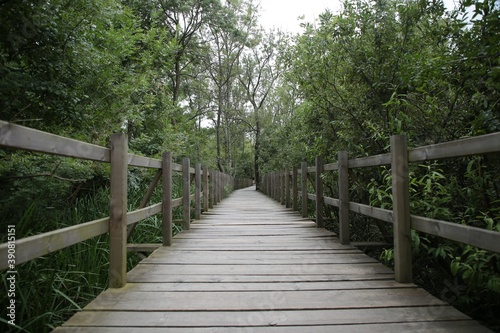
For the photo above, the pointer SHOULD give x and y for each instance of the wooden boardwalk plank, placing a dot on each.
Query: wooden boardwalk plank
(276, 318)
(418, 327)
(251, 265)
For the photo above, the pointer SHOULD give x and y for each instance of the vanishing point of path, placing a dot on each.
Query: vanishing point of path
(251, 265)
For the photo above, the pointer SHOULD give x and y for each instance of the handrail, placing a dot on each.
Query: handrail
(275, 185)
(210, 191)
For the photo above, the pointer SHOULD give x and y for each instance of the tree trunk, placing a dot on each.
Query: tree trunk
(257, 152)
(217, 131)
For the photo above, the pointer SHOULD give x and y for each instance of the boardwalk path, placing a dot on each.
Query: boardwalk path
(250, 265)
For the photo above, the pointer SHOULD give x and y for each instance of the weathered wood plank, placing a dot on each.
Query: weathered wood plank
(214, 278)
(39, 245)
(145, 162)
(377, 160)
(311, 269)
(378, 213)
(331, 167)
(144, 213)
(459, 326)
(278, 318)
(276, 286)
(171, 254)
(20, 137)
(331, 201)
(482, 238)
(465, 326)
(142, 247)
(125, 300)
(482, 144)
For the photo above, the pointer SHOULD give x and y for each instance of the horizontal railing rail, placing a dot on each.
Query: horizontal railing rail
(209, 189)
(284, 187)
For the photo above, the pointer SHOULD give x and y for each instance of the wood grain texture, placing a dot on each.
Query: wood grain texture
(118, 211)
(401, 209)
(251, 265)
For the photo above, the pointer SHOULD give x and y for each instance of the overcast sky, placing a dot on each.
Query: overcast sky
(283, 14)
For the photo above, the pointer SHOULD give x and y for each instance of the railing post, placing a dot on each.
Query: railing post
(269, 185)
(221, 186)
(282, 187)
(216, 187)
(212, 190)
(304, 189)
(275, 185)
(271, 181)
(265, 184)
(287, 188)
(344, 233)
(401, 209)
(319, 193)
(295, 190)
(167, 199)
(219, 180)
(186, 200)
(197, 191)
(206, 191)
(118, 214)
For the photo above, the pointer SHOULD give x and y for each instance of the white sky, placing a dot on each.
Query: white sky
(283, 14)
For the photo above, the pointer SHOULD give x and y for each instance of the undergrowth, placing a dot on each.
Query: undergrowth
(50, 289)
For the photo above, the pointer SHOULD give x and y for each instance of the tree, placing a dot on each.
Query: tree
(258, 75)
(184, 21)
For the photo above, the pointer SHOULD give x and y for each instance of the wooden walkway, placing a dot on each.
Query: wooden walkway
(251, 265)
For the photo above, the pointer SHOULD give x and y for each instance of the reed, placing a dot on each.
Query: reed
(52, 288)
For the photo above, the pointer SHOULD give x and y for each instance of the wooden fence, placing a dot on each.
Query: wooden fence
(209, 189)
(284, 186)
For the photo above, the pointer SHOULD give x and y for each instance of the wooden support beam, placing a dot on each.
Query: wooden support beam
(186, 200)
(282, 187)
(118, 211)
(319, 193)
(216, 187)
(344, 233)
(146, 199)
(287, 188)
(197, 191)
(401, 209)
(212, 190)
(142, 247)
(304, 189)
(167, 199)
(206, 190)
(295, 189)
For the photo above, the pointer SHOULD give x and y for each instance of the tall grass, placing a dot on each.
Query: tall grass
(49, 290)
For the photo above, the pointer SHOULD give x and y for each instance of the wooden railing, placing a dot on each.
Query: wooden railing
(209, 189)
(284, 187)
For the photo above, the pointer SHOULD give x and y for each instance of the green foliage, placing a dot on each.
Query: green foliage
(50, 289)
(86, 69)
(379, 68)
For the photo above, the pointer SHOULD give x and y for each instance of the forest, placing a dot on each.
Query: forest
(203, 79)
